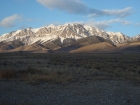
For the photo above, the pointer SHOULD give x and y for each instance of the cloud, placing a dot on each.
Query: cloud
(79, 7)
(121, 13)
(10, 21)
(125, 22)
(115, 12)
(137, 24)
(70, 6)
(107, 23)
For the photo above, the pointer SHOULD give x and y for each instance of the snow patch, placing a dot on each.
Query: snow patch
(35, 30)
(16, 32)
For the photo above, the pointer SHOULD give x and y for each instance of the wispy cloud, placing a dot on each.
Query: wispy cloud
(10, 21)
(79, 7)
(120, 13)
(137, 24)
(107, 23)
(70, 6)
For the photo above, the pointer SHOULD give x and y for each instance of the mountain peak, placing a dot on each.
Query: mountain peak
(72, 24)
(51, 25)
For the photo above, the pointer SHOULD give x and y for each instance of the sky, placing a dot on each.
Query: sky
(109, 15)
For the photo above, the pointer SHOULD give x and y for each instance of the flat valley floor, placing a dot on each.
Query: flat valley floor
(69, 79)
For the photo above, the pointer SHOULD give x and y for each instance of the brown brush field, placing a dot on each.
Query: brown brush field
(66, 68)
(69, 79)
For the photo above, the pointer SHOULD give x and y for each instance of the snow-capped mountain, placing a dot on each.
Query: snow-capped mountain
(67, 31)
(136, 38)
(118, 37)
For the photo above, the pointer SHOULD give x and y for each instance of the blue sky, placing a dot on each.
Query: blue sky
(110, 15)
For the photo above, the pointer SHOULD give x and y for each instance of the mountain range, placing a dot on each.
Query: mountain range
(68, 38)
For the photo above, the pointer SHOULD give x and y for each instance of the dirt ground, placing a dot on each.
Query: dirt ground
(98, 92)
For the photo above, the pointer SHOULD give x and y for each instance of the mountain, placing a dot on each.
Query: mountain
(67, 31)
(84, 42)
(118, 37)
(96, 48)
(10, 45)
(128, 47)
(136, 38)
(61, 38)
(31, 48)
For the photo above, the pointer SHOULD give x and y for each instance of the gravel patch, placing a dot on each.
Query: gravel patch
(100, 92)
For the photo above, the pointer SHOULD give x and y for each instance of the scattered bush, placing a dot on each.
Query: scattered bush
(65, 68)
(7, 74)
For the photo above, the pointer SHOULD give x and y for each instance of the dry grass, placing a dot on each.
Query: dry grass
(53, 76)
(7, 74)
(66, 68)
(32, 75)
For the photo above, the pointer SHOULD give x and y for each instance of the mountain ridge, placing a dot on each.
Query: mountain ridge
(62, 37)
(52, 32)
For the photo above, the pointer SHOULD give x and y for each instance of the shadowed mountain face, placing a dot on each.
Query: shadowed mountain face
(31, 48)
(67, 38)
(4, 47)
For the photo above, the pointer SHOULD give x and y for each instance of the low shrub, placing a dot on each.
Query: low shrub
(7, 74)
